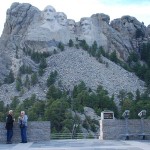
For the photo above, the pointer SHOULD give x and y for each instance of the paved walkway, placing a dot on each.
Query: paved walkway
(86, 144)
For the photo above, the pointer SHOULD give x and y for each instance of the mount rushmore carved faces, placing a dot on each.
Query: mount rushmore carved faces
(57, 22)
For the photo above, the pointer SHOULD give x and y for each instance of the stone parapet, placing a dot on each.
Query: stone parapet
(116, 129)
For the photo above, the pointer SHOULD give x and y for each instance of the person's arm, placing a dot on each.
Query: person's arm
(19, 120)
(9, 120)
(25, 119)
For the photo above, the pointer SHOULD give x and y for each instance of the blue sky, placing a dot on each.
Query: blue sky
(125, 2)
(76, 9)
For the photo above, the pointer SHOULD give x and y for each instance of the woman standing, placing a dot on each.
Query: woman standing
(22, 120)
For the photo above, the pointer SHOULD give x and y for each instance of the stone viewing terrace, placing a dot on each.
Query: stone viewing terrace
(39, 137)
(82, 144)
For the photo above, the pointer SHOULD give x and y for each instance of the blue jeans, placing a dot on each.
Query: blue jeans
(24, 134)
(9, 135)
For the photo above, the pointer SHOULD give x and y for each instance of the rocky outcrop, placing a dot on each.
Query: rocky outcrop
(128, 26)
(91, 113)
(131, 31)
(18, 18)
(148, 31)
(5, 65)
(75, 65)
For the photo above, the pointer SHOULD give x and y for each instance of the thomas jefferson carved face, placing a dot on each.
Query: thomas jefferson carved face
(49, 13)
(85, 25)
(71, 25)
(62, 18)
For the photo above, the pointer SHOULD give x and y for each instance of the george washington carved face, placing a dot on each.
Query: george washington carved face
(49, 13)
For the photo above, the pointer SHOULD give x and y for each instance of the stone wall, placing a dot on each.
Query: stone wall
(37, 131)
(116, 129)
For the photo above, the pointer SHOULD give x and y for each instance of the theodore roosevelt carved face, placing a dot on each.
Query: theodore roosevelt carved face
(71, 25)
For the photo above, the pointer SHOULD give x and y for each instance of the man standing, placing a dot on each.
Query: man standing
(22, 120)
(9, 126)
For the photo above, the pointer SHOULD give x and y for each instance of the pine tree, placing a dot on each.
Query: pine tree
(41, 71)
(10, 78)
(27, 82)
(43, 63)
(52, 78)
(113, 57)
(84, 45)
(70, 43)
(53, 92)
(34, 79)
(18, 83)
(61, 46)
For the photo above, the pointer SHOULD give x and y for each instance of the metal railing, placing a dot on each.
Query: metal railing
(75, 136)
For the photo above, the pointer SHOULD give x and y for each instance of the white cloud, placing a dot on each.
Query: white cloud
(76, 9)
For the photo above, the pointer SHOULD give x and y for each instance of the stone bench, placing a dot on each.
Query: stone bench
(128, 136)
(143, 136)
(135, 136)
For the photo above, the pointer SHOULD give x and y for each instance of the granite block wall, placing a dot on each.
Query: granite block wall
(116, 129)
(36, 131)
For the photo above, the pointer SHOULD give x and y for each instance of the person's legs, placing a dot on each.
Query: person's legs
(24, 135)
(21, 134)
(9, 135)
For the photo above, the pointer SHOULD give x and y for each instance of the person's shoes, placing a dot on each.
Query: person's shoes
(8, 142)
(24, 142)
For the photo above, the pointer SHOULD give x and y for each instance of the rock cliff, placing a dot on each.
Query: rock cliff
(27, 26)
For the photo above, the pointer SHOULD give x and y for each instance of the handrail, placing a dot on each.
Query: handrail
(76, 136)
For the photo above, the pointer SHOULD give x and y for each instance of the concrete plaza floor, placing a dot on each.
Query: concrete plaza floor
(83, 144)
